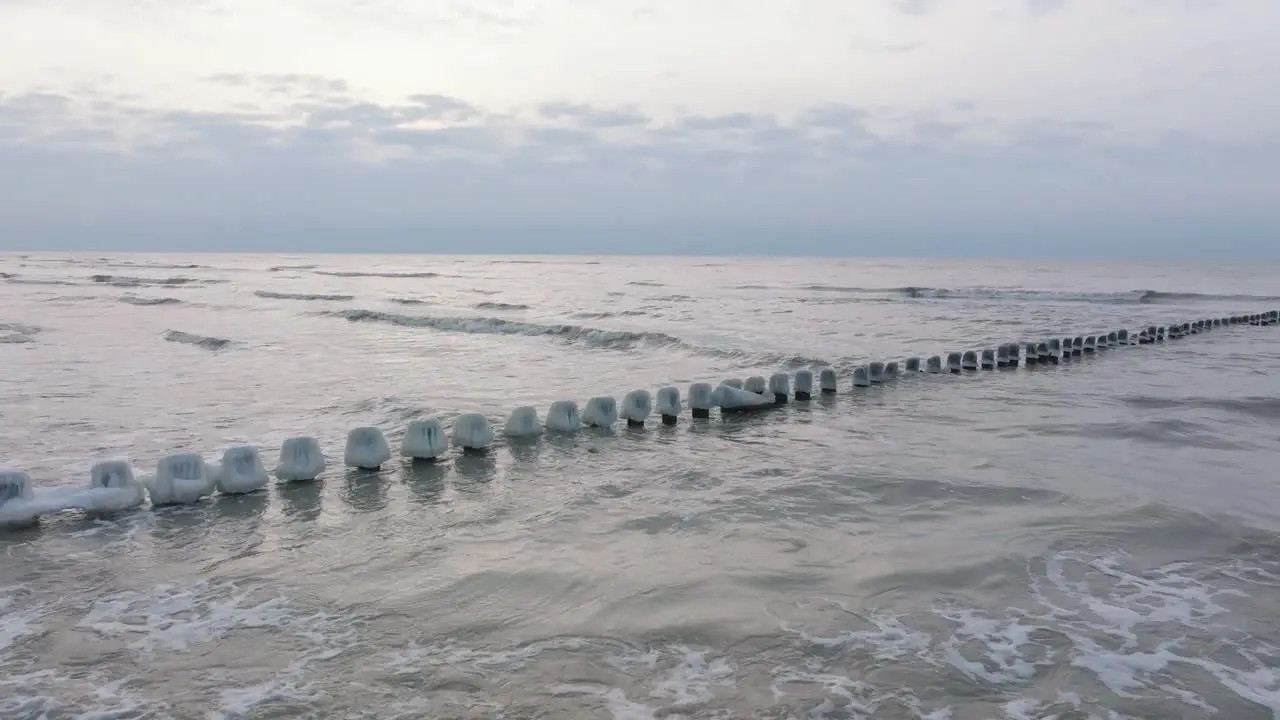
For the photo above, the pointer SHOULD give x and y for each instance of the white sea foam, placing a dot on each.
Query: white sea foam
(472, 431)
(366, 448)
(301, 459)
(563, 416)
(523, 422)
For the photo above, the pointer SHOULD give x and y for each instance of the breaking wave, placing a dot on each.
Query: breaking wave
(206, 342)
(300, 296)
(1137, 297)
(355, 274)
(574, 334)
(588, 315)
(136, 300)
(124, 281)
(16, 333)
(499, 306)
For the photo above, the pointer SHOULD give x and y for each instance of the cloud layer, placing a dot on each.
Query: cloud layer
(295, 160)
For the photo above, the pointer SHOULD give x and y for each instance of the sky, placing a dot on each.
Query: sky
(951, 128)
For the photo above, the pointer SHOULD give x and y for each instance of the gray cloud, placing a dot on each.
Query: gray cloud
(358, 175)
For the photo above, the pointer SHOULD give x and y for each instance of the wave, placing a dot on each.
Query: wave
(575, 334)
(8, 276)
(642, 283)
(124, 281)
(588, 315)
(409, 301)
(206, 342)
(17, 333)
(355, 274)
(300, 296)
(1138, 297)
(14, 279)
(135, 300)
(499, 306)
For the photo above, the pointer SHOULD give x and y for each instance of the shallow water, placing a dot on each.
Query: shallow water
(1096, 539)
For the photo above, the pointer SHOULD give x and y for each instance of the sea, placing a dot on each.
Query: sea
(1097, 539)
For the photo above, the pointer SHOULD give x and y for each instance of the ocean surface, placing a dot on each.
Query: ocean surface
(1099, 539)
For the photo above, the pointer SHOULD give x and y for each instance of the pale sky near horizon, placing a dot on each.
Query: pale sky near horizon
(1106, 128)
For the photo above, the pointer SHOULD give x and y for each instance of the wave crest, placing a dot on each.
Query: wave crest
(300, 296)
(203, 341)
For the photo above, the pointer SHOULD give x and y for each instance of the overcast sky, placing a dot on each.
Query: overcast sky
(1128, 128)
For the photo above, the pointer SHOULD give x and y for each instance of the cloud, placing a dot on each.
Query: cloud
(440, 173)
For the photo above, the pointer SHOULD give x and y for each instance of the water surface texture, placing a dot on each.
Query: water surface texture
(1092, 540)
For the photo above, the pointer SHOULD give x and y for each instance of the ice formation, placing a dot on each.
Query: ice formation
(301, 459)
(472, 431)
(731, 399)
(1123, 336)
(367, 449)
(16, 499)
(637, 405)
(1055, 348)
(1002, 355)
(804, 384)
(425, 439)
(1089, 344)
(563, 416)
(701, 399)
(953, 361)
(969, 360)
(875, 371)
(601, 412)
(988, 359)
(780, 387)
(1113, 338)
(891, 369)
(1033, 355)
(1077, 345)
(933, 364)
(112, 487)
(669, 404)
(828, 381)
(1042, 352)
(522, 422)
(861, 376)
(180, 479)
(733, 382)
(756, 384)
(913, 364)
(241, 471)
